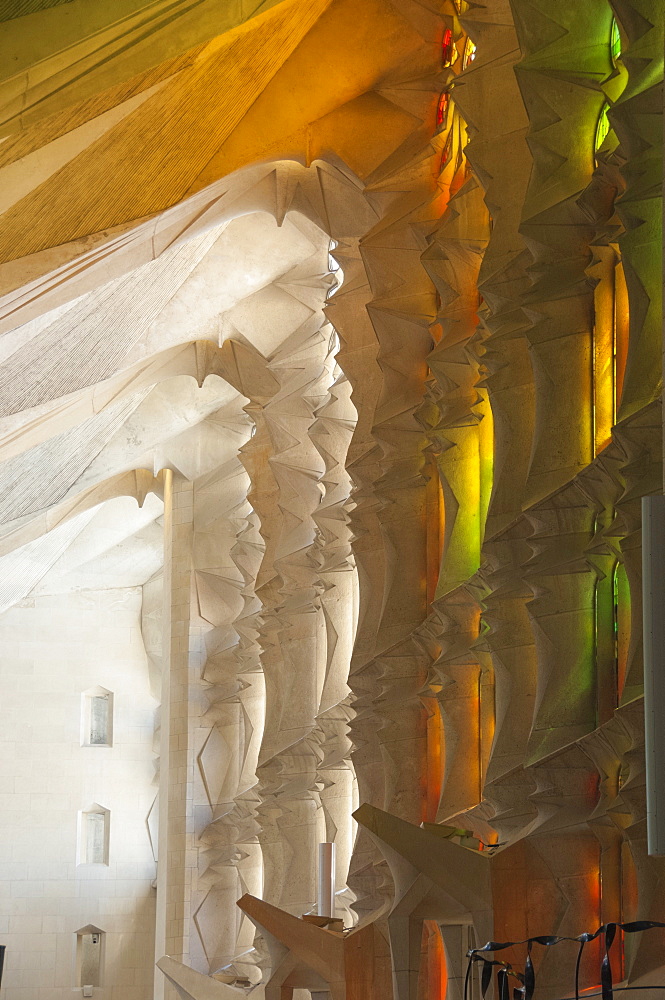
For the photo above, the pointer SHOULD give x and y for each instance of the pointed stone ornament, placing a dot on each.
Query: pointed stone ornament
(314, 953)
(193, 985)
(435, 879)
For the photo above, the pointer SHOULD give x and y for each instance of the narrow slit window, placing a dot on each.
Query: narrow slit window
(94, 836)
(95, 828)
(622, 625)
(97, 718)
(603, 127)
(89, 956)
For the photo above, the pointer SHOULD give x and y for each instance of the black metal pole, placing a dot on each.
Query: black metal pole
(2, 960)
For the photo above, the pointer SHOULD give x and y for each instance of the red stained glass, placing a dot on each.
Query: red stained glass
(445, 155)
(442, 109)
(447, 48)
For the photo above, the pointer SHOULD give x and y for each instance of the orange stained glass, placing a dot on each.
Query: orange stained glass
(603, 390)
(610, 344)
(485, 458)
(447, 48)
(602, 356)
(442, 110)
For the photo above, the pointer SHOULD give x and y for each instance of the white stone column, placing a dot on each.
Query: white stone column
(177, 854)
(326, 882)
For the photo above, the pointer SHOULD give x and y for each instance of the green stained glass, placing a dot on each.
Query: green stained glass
(603, 127)
(615, 42)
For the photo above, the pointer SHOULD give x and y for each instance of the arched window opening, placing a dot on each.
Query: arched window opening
(612, 638)
(602, 127)
(94, 829)
(447, 49)
(602, 356)
(615, 42)
(89, 957)
(97, 718)
(610, 343)
(469, 54)
(442, 110)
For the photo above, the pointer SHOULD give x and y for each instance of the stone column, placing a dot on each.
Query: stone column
(177, 854)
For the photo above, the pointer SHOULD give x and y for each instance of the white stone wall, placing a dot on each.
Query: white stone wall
(52, 648)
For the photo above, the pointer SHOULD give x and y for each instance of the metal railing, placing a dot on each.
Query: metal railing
(527, 978)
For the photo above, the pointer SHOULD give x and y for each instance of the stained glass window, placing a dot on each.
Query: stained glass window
(442, 110)
(603, 127)
(447, 48)
(447, 150)
(469, 53)
(615, 42)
